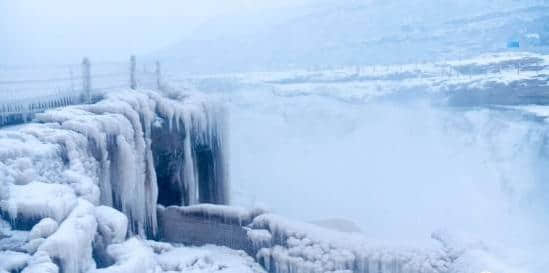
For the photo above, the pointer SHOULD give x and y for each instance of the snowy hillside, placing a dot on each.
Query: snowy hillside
(488, 79)
(363, 32)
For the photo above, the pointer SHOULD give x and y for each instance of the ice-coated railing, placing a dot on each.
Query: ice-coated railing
(27, 90)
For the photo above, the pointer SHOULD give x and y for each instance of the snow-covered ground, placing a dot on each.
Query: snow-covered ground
(494, 74)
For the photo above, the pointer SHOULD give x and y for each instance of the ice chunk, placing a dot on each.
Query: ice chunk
(260, 237)
(112, 224)
(43, 229)
(32, 246)
(130, 256)
(71, 245)
(41, 262)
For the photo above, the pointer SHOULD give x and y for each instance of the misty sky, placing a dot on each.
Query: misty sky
(59, 31)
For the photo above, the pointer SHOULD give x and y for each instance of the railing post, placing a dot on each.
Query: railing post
(86, 80)
(133, 82)
(158, 76)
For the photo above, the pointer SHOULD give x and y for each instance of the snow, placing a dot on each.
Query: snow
(12, 261)
(308, 248)
(242, 215)
(135, 255)
(130, 256)
(34, 201)
(538, 110)
(74, 252)
(41, 263)
(32, 245)
(207, 259)
(260, 237)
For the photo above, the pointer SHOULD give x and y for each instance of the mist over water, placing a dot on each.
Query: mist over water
(399, 170)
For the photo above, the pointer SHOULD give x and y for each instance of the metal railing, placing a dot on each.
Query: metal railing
(25, 91)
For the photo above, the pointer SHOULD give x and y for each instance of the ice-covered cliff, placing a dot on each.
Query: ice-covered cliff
(84, 187)
(88, 174)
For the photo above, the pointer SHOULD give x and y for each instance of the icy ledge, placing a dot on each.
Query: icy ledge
(82, 179)
(284, 246)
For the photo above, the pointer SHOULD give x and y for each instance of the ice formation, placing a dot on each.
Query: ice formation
(84, 178)
(284, 246)
(43, 229)
(103, 151)
(84, 185)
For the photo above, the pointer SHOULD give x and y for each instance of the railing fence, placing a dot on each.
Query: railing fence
(30, 90)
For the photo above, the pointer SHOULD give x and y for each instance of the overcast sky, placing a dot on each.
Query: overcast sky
(63, 30)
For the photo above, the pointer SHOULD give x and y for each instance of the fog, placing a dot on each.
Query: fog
(399, 170)
(63, 31)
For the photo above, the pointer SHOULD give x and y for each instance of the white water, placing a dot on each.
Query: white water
(398, 170)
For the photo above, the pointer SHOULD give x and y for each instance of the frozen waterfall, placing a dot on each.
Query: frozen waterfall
(116, 153)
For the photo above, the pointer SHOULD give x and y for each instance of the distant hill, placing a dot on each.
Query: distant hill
(352, 32)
